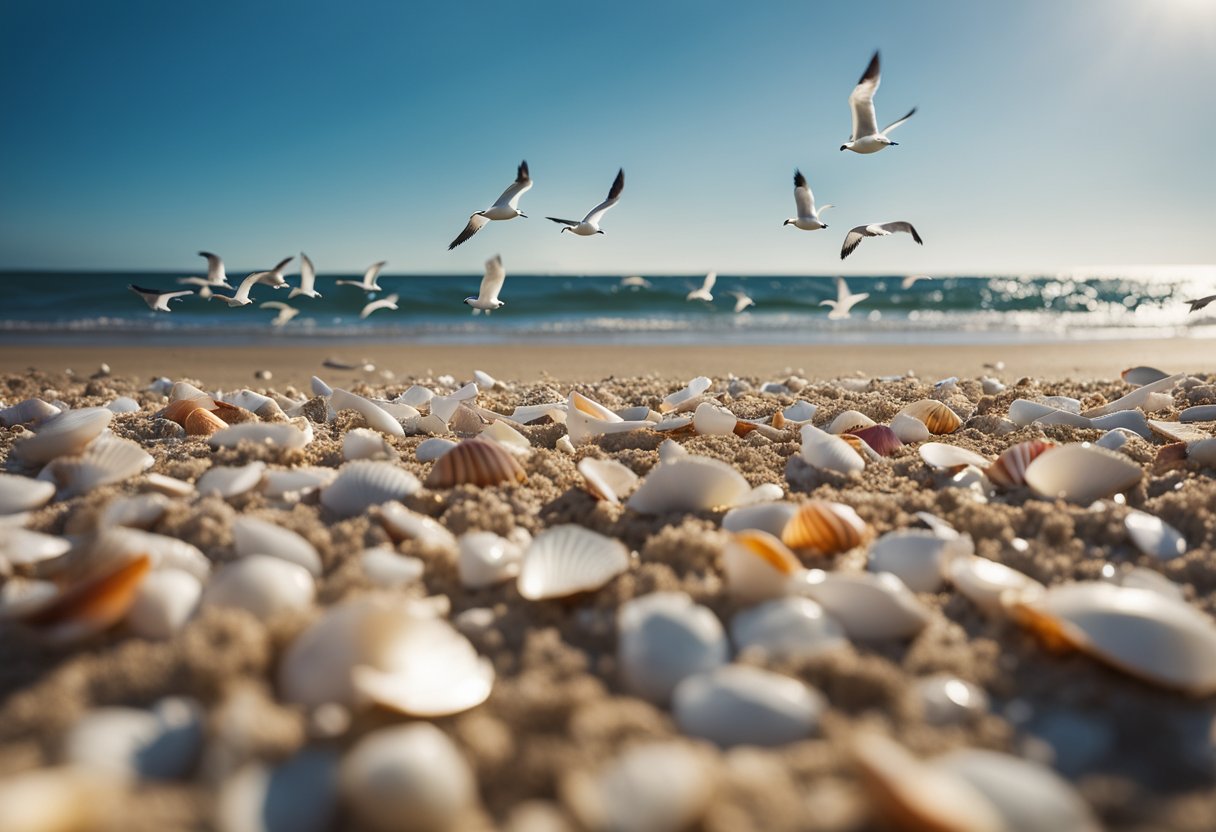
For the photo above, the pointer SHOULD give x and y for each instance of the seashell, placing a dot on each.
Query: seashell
(568, 559)
(664, 638)
(527, 414)
(766, 492)
(1081, 473)
(765, 517)
(1141, 578)
(407, 777)
(741, 705)
(106, 460)
(778, 421)
(607, 479)
(252, 536)
(583, 428)
(991, 386)
(140, 511)
(1141, 376)
(1132, 420)
(415, 396)
(429, 450)
(758, 566)
(1023, 412)
(373, 414)
(860, 447)
(18, 494)
(185, 390)
(671, 424)
(938, 418)
(403, 524)
(20, 595)
(91, 605)
(477, 462)
(799, 413)
(464, 421)
(230, 481)
(950, 457)
(486, 559)
(133, 744)
(776, 388)
(984, 582)
(825, 528)
(202, 422)
(385, 568)
(909, 429)
(163, 604)
(849, 421)
(578, 403)
(168, 486)
(1148, 398)
(564, 445)
(1009, 470)
(947, 700)
(120, 544)
(1177, 431)
(293, 484)
(693, 389)
(786, 629)
(830, 453)
(21, 547)
(319, 387)
(918, 558)
(937, 525)
(123, 404)
(66, 434)
(713, 420)
(362, 443)
(364, 483)
(670, 449)
(262, 585)
(508, 437)
(179, 410)
(444, 407)
(1153, 536)
(870, 606)
(1202, 452)
(1115, 439)
(280, 435)
(880, 438)
(688, 484)
(29, 411)
(1198, 413)
(1065, 403)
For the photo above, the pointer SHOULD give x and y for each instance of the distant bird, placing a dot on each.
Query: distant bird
(286, 313)
(389, 302)
(308, 279)
(804, 201)
(636, 282)
(845, 300)
(1196, 305)
(867, 138)
(158, 299)
(216, 276)
(703, 292)
(274, 278)
(742, 301)
(590, 224)
(487, 296)
(506, 208)
(907, 282)
(370, 281)
(241, 296)
(878, 229)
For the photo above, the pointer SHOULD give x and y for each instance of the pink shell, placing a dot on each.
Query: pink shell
(879, 437)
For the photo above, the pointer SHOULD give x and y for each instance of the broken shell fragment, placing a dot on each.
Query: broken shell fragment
(403, 524)
(950, 457)
(376, 417)
(1178, 431)
(29, 411)
(937, 417)
(1081, 473)
(713, 420)
(568, 559)
(825, 528)
(1141, 376)
(694, 388)
(1150, 397)
(1009, 470)
(689, 483)
(477, 462)
(362, 443)
(607, 479)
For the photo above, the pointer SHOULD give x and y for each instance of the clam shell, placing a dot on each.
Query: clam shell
(693, 389)
(508, 437)
(607, 479)
(950, 457)
(486, 559)
(262, 585)
(384, 567)
(1148, 397)
(850, 421)
(938, 418)
(662, 639)
(1198, 413)
(1081, 473)
(275, 434)
(18, 494)
(984, 582)
(1178, 432)
(1141, 376)
(121, 544)
(91, 605)
(26, 412)
(758, 566)
(373, 414)
(870, 607)
(477, 462)
(429, 450)
(827, 452)
(1153, 536)
(123, 404)
(66, 434)
(293, 484)
(687, 484)
(918, 558)
(789, 628)
(1009, 470)
(568, 559)
(179, 410)
(403, 524)
(163, 604)
(364, 483)
(825, 528)
(108, 459)
(140, 511)
(168, 486)
(742, 705)
(21, 547)
(764, 517)
(202, 422)
(231, 481)
(252, 536)
(713, 420)
(362, 443)
(909, 429)
(415, 396)
(880, 438)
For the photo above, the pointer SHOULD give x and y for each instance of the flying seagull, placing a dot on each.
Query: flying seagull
(274, 277)
(883, 229)
(867, 138)
(742, 301)
(370, 281)
(590, 224)
(158, 299)
(241, 296)
(216, 276)
(389, 302)
(1199, 303)
(636, 281)
(804, 201)
(703, 292)
(845, 301)
(911, 279)
(308, 279)
(506, 208)
(487, 296)
(286, 313)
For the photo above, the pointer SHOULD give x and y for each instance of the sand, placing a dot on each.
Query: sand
(1141, 756)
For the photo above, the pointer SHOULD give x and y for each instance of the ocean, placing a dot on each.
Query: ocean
(73, 307)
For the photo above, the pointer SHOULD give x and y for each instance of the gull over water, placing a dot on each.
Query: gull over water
(506, 207)
(589, 226)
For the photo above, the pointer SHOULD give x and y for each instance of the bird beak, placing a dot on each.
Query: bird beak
(844, 147)
(893, 144)
(525, 216)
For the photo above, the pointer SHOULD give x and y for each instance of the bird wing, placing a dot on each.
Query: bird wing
(373, 306)
(742, 301)
(282, 264)
(804, 200)
(842, 290)
(495, 276)
(476, 222)
(523, 181)
(852, 240)
(274, 304)
(308, 274)
(710, 280)
(898, 122)
(563, 222)
(373, 273)
(861, 100)
(1199, 303)
(215, 268)
(614, 195)
(247, 284)
(194, 281)
(894, 227)
(823, 208)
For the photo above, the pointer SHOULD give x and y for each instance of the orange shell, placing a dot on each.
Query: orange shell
(202, 422)
(475, 462)
(938, 418)
(769, 549)
(825, 528)
(178, 411)
(93, 604)
(1009, 470)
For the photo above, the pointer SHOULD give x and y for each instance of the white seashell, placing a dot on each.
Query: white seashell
(164, 602)
(765, 517)
(1202, 452)
(869, 606)
(133, 744)
(568, 559)
(786, 628)
(416, 396)
(508, 437)
(168, 486)
(106, 460)
(670, 449)
(1150, 397)
(140, 511)
(625, 794)
(123, 404)
(991, 386)
(564, 445)
(1153, 536)
(758, 566)
(1065, 403)
(407, 778)
(767, 492)
(252, 536)
(693, 389)
(662, 639)
(1132, 420)
(1140, 376)
(946, 700)
(1063, 417)
(293, 484)
(1115, 439)
(526, 414)
(63, 435)
(30, 411)
(1023, 412)
(160, 386)
(689, 483)
(607, 479)
(984, 582)
(937, 525)
(1081, 473)
(742, 705)
(486, 559)
(1141, 578)
(828, 452)
(917, 558)
(1178, 432)
(183, 390)
(262, 585)
(583, 428)
(275, 434)
(296, 795)
(21, 596)
(230, 481)
(403, 524)
(444, 407)
(18, 494)
(949, 457)
(849, 421)
(164, 552)
(1198, 413)
(484, 380)
(362, 443)
(385, 568)
(713, 420)
(22, 547)
(401, 412)
(319, 387)
(799, 413)
(429, 450)
(375, 416)
(363, 484)
(909, 429)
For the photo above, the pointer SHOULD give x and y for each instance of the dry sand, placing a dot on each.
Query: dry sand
(1143, 757)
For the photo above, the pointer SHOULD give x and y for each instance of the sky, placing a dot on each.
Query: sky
(1050, 133)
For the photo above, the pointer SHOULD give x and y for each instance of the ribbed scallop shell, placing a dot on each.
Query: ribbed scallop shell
(231, 481)
(565, 560)
(1009, 470)
(758, 566)
(362, 443)
(108, 459)
(18, 494)
(281, 435)
(825, 528)
(27, 412)
(882, 439)
(607, 479)
(850, 421)
(938, 418)
(202, 422)
(827, 452)
(478, 462)
(689, 483)
(1081, 473)
(63, 435)
(363, 483)
(951, 457)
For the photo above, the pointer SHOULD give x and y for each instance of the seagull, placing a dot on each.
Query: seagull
(308, 279)
(389, 302)
(370, 281)
(742, 301)
(274, 277)
(703, 292)
(878, 229)
(804, 200)
(286, 313)
(487, 296)
(241, 296)
(158, 299)
(1199, 303)
(907, 282)
(867, 138)
(590, 224)
(216, 276)
(636, 282)
(506, 208)
(844, 301)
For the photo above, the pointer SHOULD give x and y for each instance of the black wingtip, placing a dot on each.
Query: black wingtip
(522, 173)
(799, 179)
(618, 184)
(872, 69)
(207, 254)
(916, 236)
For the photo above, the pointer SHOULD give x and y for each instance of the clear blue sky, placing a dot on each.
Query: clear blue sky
(1051, 133)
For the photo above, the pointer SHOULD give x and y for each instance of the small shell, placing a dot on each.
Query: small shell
(168, 486)
(918, 558)
(252, 536)
(564, 445)
(108, 459)
(764, 517)
(880, 438)
(508, 437)
(179, 410)
(670, 449)
(1141, 376)
(293, 484)
(694, 388)
(825, 528)
(991, 386)
(909, 429)
(1150, 397)
(1081, 473)
(850, 421)
(713, 420)
(465, 421)
(140, 511)
(486, 559)
(431, 449)
(607, 479)
(403, 524)
(133, 744)
(262, 585)
(477, 462)
(18, 494)
(1023, 412)
(164, 603)
(565, 560)
(123, 404)
(362, 443)
(385, 568)
(30, 411)
(1153, 536)
(947, 700)
(689, 483)
(1132, 420)
(789, 628)
(799, 413)
(662, 639)
(364, 483)
(578, 403)
(938, 418)
(186, 390)
(870, 607)
(1198, 413)
(66, 434)
(527, 414)
(1115, 439)
(415, 396)
(280, 435)
(1009, 470)
(91, 605)
(21, 547)
(375, 416)
(985, 582)
(742, 705)
(1178, 432)
(202, 422)
(758, 566)
(827, 452)
(120, 544)
(950, 457)
(228, 481)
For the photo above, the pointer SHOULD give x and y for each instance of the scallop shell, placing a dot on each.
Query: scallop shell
(757, 566)
(565, 560)
(909, 429)
(742, 705)
(770, 517)
(938, 418)
(918, 558)
(373, 414)
(1178, 432)
(850, 421)
(1198, 413)
(662, 639)
(477, 462)
(252, 536)
(607, 479)
(870, 606)
(66, 434)
(1153, 536)
(280, 435)
(231, 481)
(30, 411)
(1141, 376)
(825, 528)
(880, 438)
(693, 389)
(1009, 470)
(403, 524)
(1148, 398)
(985, 582)
(91, 605)
(163, 604)
(785, 629)
(202, 422)
(364, 483)
(362, 443)
(827, 452)
(429, 450)
(106, 460)
(262, 585)
(22, 547)
(687, 484)
(1081, 473)
(486, 559)
(18, 494)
